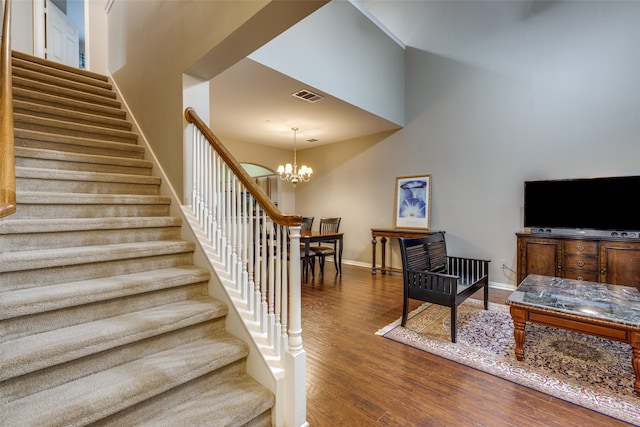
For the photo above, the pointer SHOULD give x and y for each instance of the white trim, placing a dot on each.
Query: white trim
(87, 34)
(39, 31)
(502, 286)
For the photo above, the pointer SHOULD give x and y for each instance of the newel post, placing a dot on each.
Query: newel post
(295, 357)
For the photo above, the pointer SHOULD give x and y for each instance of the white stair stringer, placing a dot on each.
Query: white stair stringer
(246, 303)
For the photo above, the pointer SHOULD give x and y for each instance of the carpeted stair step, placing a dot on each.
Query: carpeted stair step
(21, 386)
(63, 160)
(46, 321)
(245, 403)
(105, 393)
(64, 181)
(71, 205)
(57, 113)
(67, 257)
(62, 127)
(40, 140)
(38, 234)
(26, 269)
(33, 96)
(23, 302)
(46, 349)
(61, 80)
(73, 94)
(23, 60)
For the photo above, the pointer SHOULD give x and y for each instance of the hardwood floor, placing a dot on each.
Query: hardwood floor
(357, 378)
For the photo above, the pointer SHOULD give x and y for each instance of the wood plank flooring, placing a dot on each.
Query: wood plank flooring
(356, 378)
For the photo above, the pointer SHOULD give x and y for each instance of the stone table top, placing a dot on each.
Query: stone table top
(613, 303)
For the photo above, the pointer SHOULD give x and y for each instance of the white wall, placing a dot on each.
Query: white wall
(153, 43)
(483, 117)
(351, 59)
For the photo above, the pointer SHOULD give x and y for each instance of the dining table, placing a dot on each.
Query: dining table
(309, 237)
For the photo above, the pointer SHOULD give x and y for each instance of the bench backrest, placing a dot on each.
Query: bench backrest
(424, 253)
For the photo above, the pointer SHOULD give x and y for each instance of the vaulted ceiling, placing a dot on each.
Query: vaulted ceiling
(254, 103)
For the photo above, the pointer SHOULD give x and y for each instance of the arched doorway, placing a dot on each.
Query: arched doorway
(267, 179)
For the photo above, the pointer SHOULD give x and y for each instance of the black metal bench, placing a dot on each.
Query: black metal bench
(430, 275)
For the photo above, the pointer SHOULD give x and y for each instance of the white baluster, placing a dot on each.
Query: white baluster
(194, 145)
(216, 212)
(266, 253)
(285, 293)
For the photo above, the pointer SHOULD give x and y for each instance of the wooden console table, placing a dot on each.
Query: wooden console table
(391, 232)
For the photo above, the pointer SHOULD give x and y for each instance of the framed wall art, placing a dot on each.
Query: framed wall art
(413, 202)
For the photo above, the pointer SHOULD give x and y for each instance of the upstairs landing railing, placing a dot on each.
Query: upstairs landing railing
(252, 242)
(7, 153)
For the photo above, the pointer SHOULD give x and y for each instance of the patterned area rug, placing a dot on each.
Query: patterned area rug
(592, 372)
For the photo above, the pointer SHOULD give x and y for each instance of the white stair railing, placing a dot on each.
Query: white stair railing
(252, 242)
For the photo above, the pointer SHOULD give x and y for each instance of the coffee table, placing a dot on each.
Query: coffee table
(600, 309)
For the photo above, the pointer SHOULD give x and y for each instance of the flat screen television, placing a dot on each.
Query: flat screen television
(591, 204)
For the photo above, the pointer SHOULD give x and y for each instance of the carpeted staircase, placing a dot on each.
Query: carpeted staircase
(104, 319)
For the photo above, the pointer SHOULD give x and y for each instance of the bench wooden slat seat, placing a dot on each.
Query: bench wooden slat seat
(430, 275)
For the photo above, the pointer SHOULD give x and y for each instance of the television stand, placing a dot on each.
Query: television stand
(579, 257)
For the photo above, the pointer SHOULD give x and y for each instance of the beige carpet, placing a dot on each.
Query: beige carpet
(592, 372)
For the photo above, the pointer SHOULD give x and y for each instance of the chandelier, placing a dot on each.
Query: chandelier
(291, 173)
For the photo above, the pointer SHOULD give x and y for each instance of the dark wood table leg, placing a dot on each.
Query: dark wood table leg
(384, 254)
(339, 265)
(519, 322)
(373, 254)
(306, 258)
(635, 361)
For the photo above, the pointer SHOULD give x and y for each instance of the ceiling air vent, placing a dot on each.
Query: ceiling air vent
(307, 95)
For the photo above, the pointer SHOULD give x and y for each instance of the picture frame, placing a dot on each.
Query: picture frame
(412, 208)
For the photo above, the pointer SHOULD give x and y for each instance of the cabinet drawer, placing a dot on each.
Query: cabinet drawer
(589, 276)
(581, 247)
(580, 263)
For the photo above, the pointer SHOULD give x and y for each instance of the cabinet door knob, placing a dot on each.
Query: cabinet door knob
(581, 248)
(580, 263)
(579, 278)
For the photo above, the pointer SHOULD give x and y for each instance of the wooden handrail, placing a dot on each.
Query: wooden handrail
(265, 202)
(7, 153)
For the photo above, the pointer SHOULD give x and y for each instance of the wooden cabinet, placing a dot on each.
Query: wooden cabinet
(539, 256)
(595, 259)
(620, 263)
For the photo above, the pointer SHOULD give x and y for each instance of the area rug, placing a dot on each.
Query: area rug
(589, 371)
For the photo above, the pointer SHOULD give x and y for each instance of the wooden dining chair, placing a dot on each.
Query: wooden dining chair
(327, 225)
(307, 223)
(310, 262)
